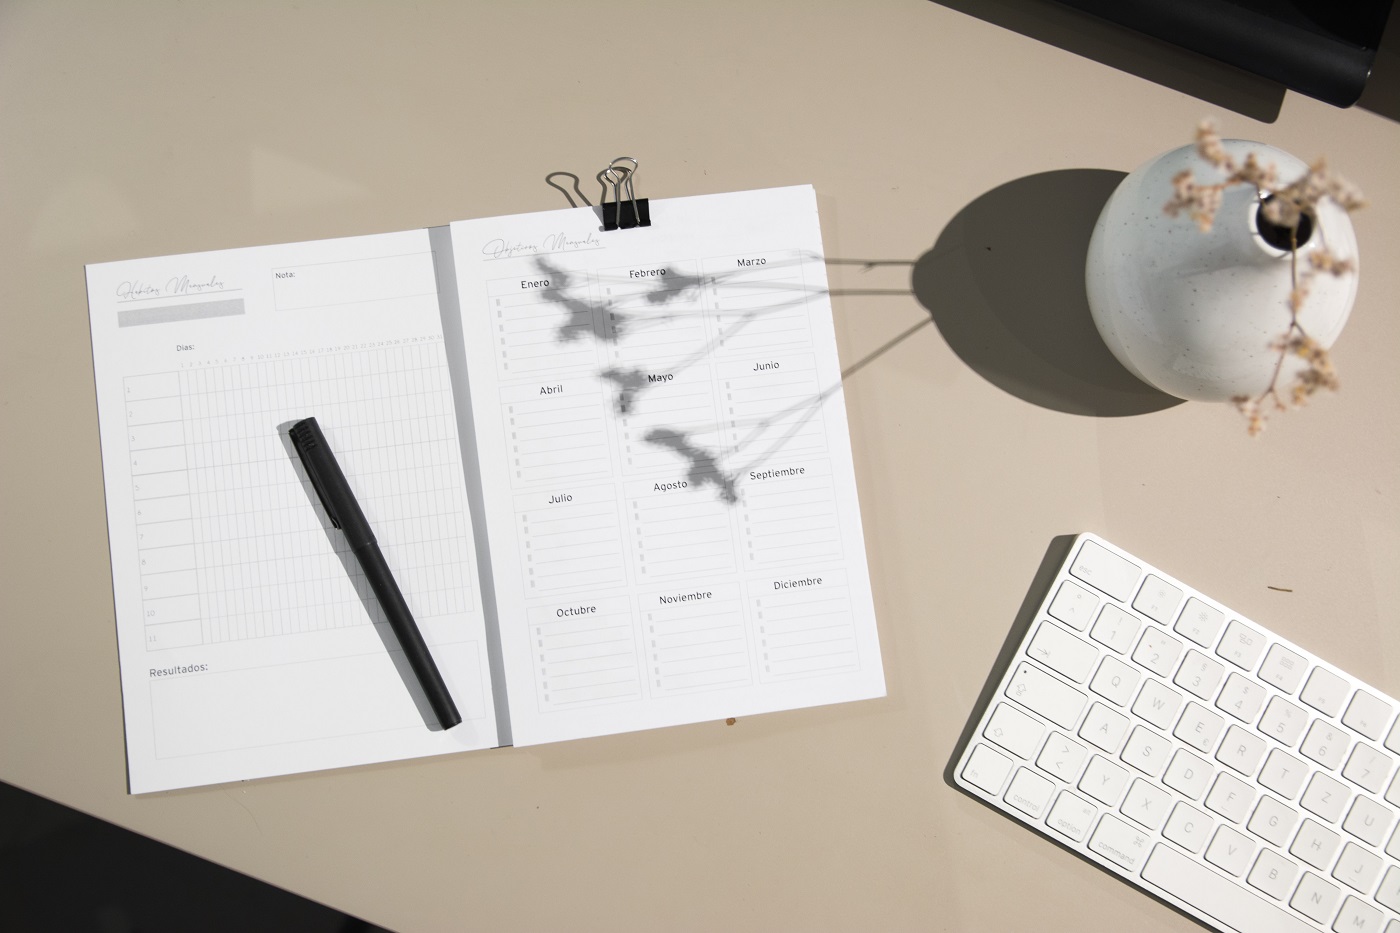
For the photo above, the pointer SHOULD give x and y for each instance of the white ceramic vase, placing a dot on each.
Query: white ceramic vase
(1194, 313)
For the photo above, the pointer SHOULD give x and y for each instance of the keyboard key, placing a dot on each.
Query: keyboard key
(1061, 757)
(1283, 774)
(1199, 674)
(1325, 692)
(1188, 828)
(1273, 874)
(1157, 703)
(1392, 739)
(1104, 781)
(1188, 774)
(1157, 651)
(1115, 628)
(1241, 698)
(1241, 645)
(1146, 803)
(1272, 820)
(1230, 797)
(1389, 891)
(1241, 750)
(1325, 744)
(1367, 767)
(1120, 842)
(1029, 792)
(1071, 816)
(1041, 693)
(1283, 669)
(1368, 820)
(1215, 895)
(1198, 727)
(1200, 622)
(1013, 730)
(1357, 916)
(1315, 844)
(1357, 868)
(1283, 721)
(1326, 797)
(1393, 794)
(1104, 727)
(1115, 681)
(1105, 570)
(1367, 714)
(1147, 751)
(1060, 651)
(1157, 599)
(1231, 850)
(1315, 898)
(1073, 605)
(987, 769)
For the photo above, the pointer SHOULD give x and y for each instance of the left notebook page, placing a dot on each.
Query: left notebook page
(250, 642)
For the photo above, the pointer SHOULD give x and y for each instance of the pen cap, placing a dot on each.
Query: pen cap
(329, 482)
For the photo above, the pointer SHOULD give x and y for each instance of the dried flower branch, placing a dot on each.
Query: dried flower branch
(1290, 207)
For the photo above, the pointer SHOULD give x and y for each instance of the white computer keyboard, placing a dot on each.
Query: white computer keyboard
(1195, 753)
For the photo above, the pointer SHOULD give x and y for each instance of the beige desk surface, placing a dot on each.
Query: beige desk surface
(140, 129)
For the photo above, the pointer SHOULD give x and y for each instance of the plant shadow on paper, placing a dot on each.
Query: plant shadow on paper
(677, 298)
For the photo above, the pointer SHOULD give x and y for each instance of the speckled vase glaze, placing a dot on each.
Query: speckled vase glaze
(1194, 313)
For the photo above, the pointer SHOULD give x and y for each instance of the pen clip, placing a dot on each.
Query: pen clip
(306, 436)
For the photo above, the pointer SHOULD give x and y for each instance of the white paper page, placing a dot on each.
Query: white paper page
(670, 500)
(248, 637)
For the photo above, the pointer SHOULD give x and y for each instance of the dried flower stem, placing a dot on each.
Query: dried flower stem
(1285, 207)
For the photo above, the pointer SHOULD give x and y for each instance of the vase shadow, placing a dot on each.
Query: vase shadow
(1004, 283)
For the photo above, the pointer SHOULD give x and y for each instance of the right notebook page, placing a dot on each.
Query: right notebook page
(670, 500)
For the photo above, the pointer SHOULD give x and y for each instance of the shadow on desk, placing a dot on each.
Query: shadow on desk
(1004, 283)
(65, 872)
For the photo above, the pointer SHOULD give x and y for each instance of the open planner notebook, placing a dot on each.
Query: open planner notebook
(609, 470)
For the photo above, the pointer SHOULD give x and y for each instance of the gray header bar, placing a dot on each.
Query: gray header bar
(190, 312)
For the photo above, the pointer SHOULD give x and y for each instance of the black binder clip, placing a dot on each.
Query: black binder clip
(616, 214)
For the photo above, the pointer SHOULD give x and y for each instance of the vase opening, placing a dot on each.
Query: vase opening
(1279, 236)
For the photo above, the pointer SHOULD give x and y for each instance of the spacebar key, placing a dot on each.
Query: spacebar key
(1215, 896)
